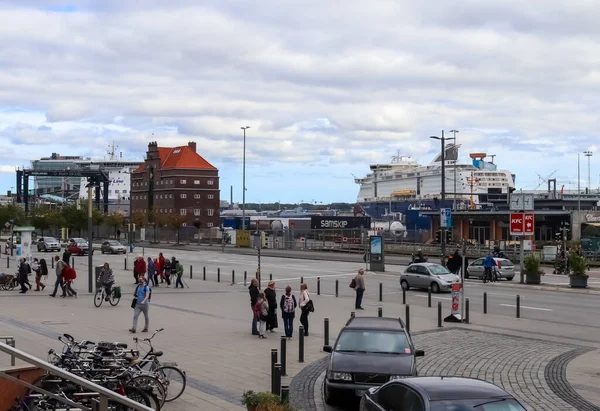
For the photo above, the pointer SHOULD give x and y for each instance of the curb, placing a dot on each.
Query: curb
(550, 287)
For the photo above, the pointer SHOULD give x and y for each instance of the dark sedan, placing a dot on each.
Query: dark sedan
(439, 394)
(368, 352)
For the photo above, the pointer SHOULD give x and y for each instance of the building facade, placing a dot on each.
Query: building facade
(177, 181)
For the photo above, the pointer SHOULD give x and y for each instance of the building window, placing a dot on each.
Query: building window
(209, 225)
(210, 182)
(170, 181)
(210, 212)
(170, 210)
(109, 191)
(170, 195)
(182, 182)
(196, 196)
(116, 191)
(124, 191)
(157, 196)
(196, 182)
(196, 211)
(183, 225)
(211, 196)
(183, 195)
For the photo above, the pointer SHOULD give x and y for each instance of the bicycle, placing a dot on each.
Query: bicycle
(490, 274)
(113, 298)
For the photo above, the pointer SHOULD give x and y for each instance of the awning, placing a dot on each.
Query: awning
(594, 224)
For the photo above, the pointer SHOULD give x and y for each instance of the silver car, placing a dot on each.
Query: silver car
(113, 247)
(504, 269)
(48, 244)
(425, 275)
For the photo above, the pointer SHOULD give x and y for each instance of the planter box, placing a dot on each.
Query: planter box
(578, 281)
(533, 278)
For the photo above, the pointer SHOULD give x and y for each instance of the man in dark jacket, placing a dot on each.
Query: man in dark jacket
(271, 297)
(254, 291)
(23, 276)
(66, 257)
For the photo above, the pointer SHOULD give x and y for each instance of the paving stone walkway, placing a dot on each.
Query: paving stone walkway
(532, 370)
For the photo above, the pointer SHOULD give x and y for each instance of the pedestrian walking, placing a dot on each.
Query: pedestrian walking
(156, 271)
(141, 304)
(179, 268)
(173, 270)
(59, 266)
(69, 275)
(261, 313)
(151, 272)
(254, 292)
(135, 269)
(161, 267)
(36, 267)
(271, 297)
(66, 257)
(358, 283)
(288, 306)
(306, 307)
(43, 272)
(23, 276)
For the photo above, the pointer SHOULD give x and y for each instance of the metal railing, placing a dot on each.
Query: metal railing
(10, 341)
(104, 394)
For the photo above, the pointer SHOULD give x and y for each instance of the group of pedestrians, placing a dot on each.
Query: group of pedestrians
(264, 308)
(159, 268)
(65, 275)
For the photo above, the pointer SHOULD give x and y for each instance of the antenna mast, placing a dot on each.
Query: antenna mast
(112, 150)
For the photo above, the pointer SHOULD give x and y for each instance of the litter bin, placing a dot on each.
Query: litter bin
(98, 270)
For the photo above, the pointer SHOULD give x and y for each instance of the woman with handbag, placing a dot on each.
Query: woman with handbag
(141, 304)
(306, 306)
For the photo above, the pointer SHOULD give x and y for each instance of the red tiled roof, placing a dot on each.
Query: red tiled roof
(179, 157)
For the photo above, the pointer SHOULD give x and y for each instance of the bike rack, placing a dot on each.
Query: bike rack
(10, 341)
(104, 394)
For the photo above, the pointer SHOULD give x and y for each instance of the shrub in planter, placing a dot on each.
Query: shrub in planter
(579, 267)
(263, 401)
(533, 273)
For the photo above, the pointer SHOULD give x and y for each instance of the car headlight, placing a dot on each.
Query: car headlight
(397, 377)
(340, 376)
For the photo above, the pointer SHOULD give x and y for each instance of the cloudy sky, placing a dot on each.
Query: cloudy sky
(327, 87)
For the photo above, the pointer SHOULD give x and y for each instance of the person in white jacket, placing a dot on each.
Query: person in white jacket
(304, 307)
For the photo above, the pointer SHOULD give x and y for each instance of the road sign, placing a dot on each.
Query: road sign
(302, 239)
(445, 217)
(522, 224)
(345, 239)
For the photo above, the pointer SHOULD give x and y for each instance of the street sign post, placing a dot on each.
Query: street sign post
(522, 224)
(445, 217)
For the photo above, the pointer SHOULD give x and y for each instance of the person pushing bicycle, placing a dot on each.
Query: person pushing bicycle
(106, 279)
(488, 264)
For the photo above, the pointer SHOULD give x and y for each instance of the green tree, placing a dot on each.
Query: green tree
(98, 217)
(175, 222)
(115, 221)
(41, 222)
(76, 219)
(12, 212)
(56, 221)
(139, 219)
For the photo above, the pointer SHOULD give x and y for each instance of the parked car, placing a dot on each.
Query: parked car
(48, 244)
(504, 269)
(439, 394)
(369, 351)
(425, 275)
(78, 246)
(113, 247)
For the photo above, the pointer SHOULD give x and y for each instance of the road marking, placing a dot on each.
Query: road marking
(437, 298)
(524, 306)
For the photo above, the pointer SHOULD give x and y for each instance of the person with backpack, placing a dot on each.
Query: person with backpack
(306, 307)
(59, 266)
(173, 269)
(178, 282)
(141, 304)
(69, 275)
(288, 311)
(261, 311)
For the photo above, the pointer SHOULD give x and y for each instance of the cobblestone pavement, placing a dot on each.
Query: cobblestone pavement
(532, 370)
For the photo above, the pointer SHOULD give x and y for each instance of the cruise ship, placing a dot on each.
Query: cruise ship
(403, 184)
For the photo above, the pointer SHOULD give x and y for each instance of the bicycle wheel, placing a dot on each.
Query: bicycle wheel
(99, 297)
(112, 299)
(147, 381)
(174, 381)
(133, 393)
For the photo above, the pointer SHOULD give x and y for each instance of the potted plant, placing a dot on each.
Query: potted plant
(533, 273)
(263, 401)
(579, 267)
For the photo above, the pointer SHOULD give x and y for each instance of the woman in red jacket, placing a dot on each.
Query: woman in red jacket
(161, 267)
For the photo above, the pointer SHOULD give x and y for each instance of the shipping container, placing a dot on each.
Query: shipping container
(338, 222)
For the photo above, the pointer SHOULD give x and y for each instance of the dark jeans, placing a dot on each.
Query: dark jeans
(254, 324)
(178, 282)
(107, 289)
(151, 279)
(24, 288)
(359, 297)
(288, 324)
(59, 282)
(67, 289)
(304, 320)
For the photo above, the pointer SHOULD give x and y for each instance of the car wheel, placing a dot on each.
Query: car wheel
(330, 396)
(404, 285)
(509, 278)
(435, 287)
(466, 273)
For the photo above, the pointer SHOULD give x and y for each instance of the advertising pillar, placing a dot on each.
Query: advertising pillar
(376, 251)
(23, 242)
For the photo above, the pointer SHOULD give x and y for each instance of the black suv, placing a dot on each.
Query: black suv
(368, 352)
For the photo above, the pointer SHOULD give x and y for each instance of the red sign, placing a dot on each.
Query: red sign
(345, 239)
(302, 239)
(522, 224)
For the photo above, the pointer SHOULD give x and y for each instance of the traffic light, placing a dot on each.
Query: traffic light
(448, 236)
(438, 236)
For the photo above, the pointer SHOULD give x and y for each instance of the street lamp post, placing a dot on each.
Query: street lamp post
(455, 161)
(244, 181)
(578, 187)
(589, 154)
(443, 143)
(90, 243)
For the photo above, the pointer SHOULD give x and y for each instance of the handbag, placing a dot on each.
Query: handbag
(353, 283)
(135, 300)
(310, 306)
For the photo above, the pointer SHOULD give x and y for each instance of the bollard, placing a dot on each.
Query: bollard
(285, 394)
(72, 261)
(219, 274)
(283, 354)
(326, 331)
(301, 280)
(337, 286)
(204, 273)
(380, 312)
(8, 263)
(125, 263)
(318, 285)
(403, 296)
(439, 314)
(518, 306)
(429, 297)
(245, 278)
(273, 362)
(301, 344)
(466, 310)
(232, 277)
(407, 320)
(50, 259)
(277, 380)
(11, 342)
(270, 276)
(380, 292)
(352, 314)
(485, 303)
(190, 271)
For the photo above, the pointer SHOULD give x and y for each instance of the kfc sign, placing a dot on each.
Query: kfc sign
(522, 224)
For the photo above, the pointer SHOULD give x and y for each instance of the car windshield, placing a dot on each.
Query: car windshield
(114, 243)
(81, 243)
(438, 270)
(50, 240)
(492, 404)
(369, 341)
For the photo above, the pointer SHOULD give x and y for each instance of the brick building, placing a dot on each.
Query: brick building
(177, 181)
